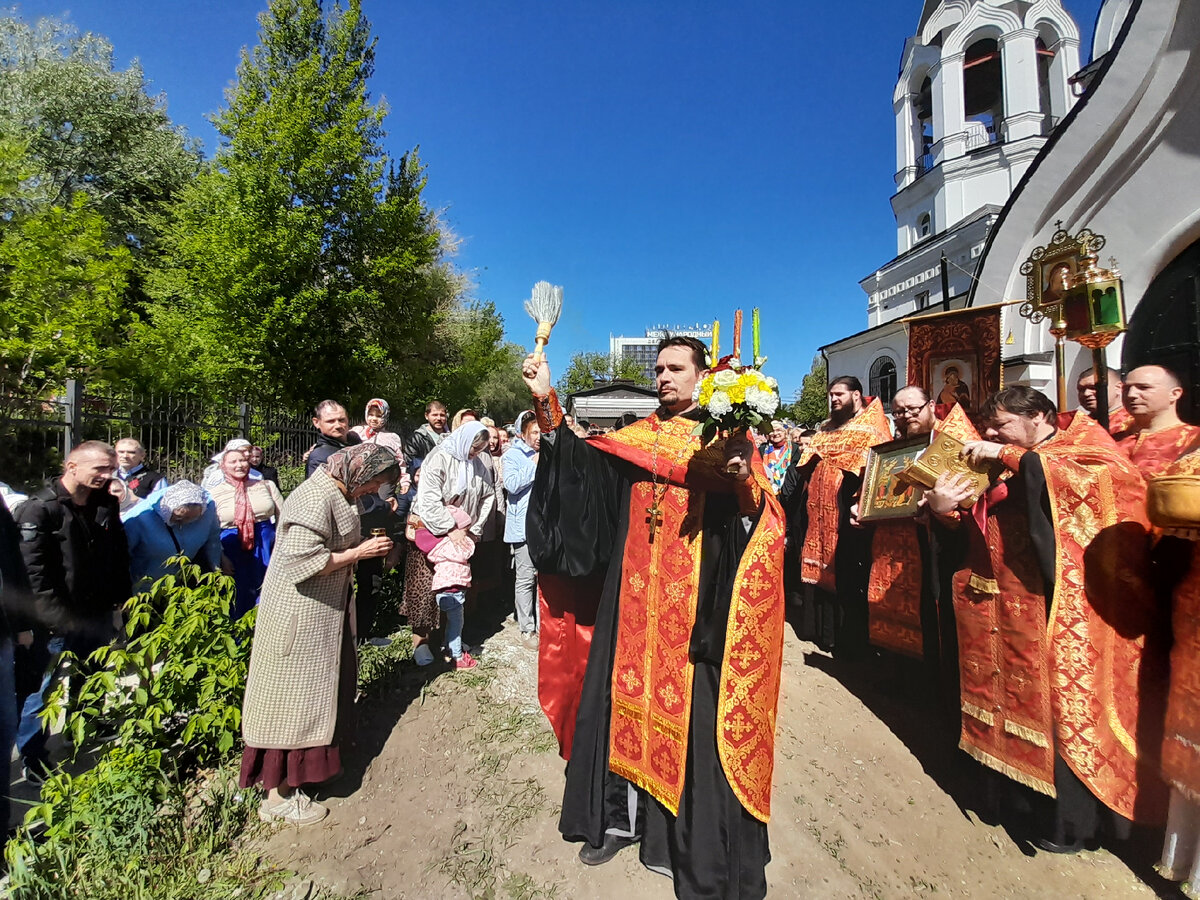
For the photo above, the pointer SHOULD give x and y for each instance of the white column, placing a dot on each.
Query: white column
(1022, 113)
(949, 125)
(1066, 64)
(906, 161)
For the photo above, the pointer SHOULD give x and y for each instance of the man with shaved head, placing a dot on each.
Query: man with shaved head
(77, 559)
(1157, 436)
(1089, 399)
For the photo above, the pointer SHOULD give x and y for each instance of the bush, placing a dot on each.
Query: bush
(177, 686)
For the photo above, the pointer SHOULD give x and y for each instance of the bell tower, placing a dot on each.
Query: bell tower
(982, 85)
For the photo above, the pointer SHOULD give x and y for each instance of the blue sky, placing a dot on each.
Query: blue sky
(665, 160)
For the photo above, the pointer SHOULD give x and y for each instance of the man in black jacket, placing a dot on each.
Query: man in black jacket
(14, 628)
(331, 420)
(77, 560)
(421, 442)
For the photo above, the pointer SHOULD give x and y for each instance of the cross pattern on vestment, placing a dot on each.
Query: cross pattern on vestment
(738, 727)
(654, 518)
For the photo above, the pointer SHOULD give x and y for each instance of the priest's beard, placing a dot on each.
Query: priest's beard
(839, 417)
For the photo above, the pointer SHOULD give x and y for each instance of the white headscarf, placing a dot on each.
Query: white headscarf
(458, 444)
(213, 476)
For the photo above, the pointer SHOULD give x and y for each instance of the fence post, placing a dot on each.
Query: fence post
(244, 420)
(73, 433)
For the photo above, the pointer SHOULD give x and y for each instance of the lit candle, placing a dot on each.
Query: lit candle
(737, 335)
(754, 335)
(716, 345)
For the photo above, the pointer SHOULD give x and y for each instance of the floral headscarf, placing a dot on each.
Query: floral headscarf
(384, 411)
(357, 464)
(178, 495)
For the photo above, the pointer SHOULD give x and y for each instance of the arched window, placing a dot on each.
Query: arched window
(883, 379)
(924, 226)
(983, 93)
(923, 110)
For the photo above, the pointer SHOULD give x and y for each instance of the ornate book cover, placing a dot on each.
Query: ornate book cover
(944, 454)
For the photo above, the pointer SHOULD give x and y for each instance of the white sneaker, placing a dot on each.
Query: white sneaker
(296, 809)
(423, 656)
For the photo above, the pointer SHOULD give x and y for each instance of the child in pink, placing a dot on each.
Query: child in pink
(451, 578)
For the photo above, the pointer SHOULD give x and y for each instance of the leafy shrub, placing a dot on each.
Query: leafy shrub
(178, 684)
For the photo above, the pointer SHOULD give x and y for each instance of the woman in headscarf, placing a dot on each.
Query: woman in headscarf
(452, 475)
(212, 475)
(302, 681)
(245, 509)
(381, 514)
(180, 520)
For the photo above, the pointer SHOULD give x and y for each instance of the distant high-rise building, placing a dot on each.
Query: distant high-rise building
(645, 349)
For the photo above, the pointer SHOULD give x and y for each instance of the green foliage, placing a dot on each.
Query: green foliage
(178, 684)
(61, 284)
(124, 830)
(812, 400)
(586, 369)
(304, 263)
(92, 130)
(503, 393)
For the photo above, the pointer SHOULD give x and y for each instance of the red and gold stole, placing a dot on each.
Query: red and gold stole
(1103, 649)
(1181, 744)
(1153, 451)
(897, 570)
(1119, 420)
(840, 450)
(660, 585)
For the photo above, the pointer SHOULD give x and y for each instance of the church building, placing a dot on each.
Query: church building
(982, 86)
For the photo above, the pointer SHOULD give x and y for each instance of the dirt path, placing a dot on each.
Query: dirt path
(453, 788)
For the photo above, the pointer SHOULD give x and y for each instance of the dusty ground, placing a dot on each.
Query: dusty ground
(453, 787)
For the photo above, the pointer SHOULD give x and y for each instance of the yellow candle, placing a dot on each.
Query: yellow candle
(716, 344)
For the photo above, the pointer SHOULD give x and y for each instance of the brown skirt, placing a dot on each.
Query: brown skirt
(309, 765)
(419, 604)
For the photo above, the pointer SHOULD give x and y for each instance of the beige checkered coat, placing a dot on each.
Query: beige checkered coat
(292, 688)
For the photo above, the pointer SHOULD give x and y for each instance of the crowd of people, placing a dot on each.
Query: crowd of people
(1043, 615)
(437, 507)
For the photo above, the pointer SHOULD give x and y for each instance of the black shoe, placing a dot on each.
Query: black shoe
(598, 856)
(1050, 847)
(35, 770)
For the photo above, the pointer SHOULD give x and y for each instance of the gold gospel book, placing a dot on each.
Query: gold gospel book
(944, 454)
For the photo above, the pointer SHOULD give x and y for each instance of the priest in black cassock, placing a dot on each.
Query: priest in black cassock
(660, 565)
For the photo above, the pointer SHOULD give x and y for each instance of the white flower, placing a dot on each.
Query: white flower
(725, 378)
(696, 392)
(772, 384)
(719, 405)
(764, 402)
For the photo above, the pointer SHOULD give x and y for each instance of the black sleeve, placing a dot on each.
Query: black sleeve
(14, 583)
(41, 551)
(318, 456)
(574, 509)
(1041, 526)
(120, 581)
(417, 445)
(793, 497)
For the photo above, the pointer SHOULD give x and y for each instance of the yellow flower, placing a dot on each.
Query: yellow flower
(706, 392)
(737, 393)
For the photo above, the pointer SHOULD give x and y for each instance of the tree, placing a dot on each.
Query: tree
(303, 262)
(91, 129)
(61, 283)
(811, 407)
(503, 393)
(586, 370)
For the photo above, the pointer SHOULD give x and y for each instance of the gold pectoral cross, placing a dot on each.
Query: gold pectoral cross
(654, 519)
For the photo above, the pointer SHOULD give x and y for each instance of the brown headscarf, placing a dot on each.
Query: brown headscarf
(357, 464)
(243, 509)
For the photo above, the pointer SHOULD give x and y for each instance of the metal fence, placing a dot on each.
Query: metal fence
(180, 433)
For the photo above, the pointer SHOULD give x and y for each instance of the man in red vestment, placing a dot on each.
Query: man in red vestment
(661, 634)
(908, 594)
(831, 553)
(1157, 436)
(1085, 389)
(1061, 646)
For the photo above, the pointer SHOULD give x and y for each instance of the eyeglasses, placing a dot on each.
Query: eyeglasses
(906, 411)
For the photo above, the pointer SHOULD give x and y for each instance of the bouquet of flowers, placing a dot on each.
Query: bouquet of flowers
(735, 397)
